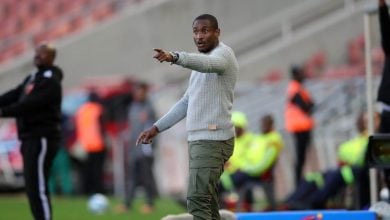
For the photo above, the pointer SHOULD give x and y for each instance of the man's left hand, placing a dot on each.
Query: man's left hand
(162, 55)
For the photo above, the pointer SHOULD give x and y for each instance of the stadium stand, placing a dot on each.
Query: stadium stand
(267, 40)
(27, 23)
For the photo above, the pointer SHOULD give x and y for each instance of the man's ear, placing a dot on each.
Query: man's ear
(218, 31)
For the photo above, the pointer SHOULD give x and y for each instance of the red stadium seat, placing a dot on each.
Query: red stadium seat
(43, 20)
(275, 75)
(12, 50)
(77, 23)
(102, 12)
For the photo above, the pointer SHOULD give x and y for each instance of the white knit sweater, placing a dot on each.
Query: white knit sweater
(208, 101)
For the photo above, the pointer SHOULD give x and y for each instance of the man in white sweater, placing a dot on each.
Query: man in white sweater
(207, 105)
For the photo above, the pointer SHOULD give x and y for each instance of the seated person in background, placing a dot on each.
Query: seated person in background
(241, 144)
(314, 191)
(259, 160)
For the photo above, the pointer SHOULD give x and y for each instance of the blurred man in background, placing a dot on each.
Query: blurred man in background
(316, 188)
(242, 143)
(207, 105)
(298, 119)
(141, 115)
(257, 164)
(36, 105)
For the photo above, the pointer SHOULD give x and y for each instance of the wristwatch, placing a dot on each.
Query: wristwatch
(175, 56)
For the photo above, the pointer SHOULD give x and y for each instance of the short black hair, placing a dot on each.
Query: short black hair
(296, 71)
(213, 20)
(93, 96)
(268, 117)
(50, 48)
(141, 85)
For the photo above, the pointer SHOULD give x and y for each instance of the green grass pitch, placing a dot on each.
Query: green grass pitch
(75, 208)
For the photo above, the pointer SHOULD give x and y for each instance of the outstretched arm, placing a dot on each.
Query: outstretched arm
(13, 95)
(384, 21)
(44, 93)
(212, 63)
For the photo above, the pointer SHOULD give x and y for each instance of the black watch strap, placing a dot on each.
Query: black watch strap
(175, 57)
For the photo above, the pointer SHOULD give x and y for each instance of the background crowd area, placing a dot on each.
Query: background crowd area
(327, 45)
(338, 98)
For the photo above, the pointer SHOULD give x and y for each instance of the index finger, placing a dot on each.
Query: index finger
(158, 50)
(139, 139)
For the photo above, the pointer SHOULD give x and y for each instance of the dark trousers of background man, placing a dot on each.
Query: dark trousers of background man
(385, 128)
(38, 155)
(140, 173)
(93, 173)
(302, 142)
(309, 196)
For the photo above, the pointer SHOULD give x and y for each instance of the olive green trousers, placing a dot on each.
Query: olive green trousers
(206, 163)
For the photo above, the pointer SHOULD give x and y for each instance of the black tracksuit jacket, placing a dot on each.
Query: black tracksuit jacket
(36, 104)
(384, 88)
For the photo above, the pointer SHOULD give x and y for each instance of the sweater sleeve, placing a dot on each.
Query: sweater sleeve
(384, 21)
(215, 62)
(174, 115)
